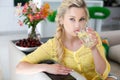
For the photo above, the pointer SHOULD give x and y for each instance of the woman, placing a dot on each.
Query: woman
(67, 49)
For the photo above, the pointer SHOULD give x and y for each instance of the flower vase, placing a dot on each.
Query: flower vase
(32, 33)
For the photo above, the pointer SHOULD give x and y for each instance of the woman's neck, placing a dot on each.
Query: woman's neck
(71, 43)
(70, 39)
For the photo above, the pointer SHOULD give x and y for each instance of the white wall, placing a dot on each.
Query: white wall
(8, 23)
(8, 20)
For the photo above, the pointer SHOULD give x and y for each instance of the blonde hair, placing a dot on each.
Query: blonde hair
(65, 5)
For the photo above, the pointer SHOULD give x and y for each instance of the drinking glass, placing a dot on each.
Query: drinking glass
(85, 37)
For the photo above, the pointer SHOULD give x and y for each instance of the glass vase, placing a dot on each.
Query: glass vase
(33, 34)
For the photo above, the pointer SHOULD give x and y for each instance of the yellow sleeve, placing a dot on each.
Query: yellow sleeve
(44, 52)
(102, 52)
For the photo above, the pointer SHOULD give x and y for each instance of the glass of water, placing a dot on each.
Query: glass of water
(85, 37)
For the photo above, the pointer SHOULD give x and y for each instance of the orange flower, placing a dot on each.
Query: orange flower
(46, 6)
(30, 17)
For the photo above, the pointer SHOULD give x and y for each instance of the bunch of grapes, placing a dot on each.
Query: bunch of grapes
(29, 42)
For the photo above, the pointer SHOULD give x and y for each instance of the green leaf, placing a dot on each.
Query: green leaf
(52, 16)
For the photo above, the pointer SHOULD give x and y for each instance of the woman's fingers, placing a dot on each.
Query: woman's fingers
(63, 70)
(58, 69)
(93, 37)
(88, 29)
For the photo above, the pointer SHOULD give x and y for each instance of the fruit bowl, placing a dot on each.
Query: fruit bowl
(27, 45)
(26, 49)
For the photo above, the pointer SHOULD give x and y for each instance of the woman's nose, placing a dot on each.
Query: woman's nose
(77, 24)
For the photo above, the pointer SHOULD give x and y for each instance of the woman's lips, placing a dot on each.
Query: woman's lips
(76, 31)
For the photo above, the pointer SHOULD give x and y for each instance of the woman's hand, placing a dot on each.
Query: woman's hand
(99, 61)
(28, 68)
(57, 69)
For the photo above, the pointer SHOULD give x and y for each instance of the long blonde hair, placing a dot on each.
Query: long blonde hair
(65, 5)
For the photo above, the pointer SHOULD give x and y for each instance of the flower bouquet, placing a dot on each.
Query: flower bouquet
(31, 15)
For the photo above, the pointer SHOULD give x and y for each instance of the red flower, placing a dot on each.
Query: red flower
(20, 23)
(37, 16)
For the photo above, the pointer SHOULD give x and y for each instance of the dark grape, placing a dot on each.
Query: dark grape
(29, 42)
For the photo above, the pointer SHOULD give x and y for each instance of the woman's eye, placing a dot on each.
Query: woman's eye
(72, 19)
(82, 19)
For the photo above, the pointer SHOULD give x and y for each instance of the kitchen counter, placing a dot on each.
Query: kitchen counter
(15, 55)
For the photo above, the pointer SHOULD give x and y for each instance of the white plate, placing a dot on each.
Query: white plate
(26, 49)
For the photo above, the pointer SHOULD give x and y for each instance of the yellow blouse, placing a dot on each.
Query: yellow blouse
(80, 60)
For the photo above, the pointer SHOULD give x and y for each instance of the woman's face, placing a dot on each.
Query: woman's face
(74, 19)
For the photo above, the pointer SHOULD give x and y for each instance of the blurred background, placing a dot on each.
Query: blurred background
(10, 29)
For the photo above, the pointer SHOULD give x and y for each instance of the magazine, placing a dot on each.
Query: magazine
(72, 76)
